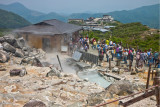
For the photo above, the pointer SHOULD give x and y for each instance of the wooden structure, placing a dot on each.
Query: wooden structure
(49, 35)
(149, 91)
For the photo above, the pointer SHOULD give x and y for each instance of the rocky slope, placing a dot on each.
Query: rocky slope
(27, 80)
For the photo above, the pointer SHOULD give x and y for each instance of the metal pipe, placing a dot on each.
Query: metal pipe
(127, 96)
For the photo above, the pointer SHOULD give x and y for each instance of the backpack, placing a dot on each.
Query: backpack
(117, 50)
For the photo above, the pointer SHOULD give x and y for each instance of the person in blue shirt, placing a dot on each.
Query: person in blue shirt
(155, 57)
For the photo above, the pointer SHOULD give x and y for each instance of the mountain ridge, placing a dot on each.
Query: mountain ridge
(150, 18)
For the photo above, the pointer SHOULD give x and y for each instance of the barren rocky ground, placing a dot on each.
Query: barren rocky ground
(60, 89)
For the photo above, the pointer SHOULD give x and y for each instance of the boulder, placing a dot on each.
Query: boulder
(2, 68)
(4, 57)
(122, 87)
(15, 72)
(2, 40)
(18, 72)
(26, 53)
(115, 69)
(34, 103)
(95, 98)
(121, 71)
(19, 53)
(53, 72)
(24, 48)
(23, 72)
(8, 48)
(17, 44)
(21, 41)
(9, 39)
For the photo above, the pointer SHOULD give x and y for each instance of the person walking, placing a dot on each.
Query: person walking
(155, 57)
(141, 60)
(137, 58)
(86, 48)
(125, 54)
(101, 55)
(107, 54)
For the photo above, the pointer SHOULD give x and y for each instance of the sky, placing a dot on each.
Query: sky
(79, 6)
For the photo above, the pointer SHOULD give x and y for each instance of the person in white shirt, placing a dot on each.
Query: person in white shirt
(111, 43)
(125, 54)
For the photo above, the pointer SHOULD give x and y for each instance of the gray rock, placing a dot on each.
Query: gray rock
(24, 48)
(2, 40)
(34, 103)
(4, 57)
(153, 98)
(15, 72)
(53, 72)
(23, 72)
(9, 39)
(121, 87)
(17, 44)
(8, 48)
(19, 53)
(26, 53)
(86, 79)
(115, 69)
(95, 98)
(22, 41)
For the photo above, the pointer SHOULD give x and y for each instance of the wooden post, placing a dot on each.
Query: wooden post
(130, 65)
(118, 62)
(148, 78)
(157, 89)
(109, 63)
(152, 74)
(59, 63)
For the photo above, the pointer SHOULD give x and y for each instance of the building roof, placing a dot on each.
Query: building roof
(49, 27)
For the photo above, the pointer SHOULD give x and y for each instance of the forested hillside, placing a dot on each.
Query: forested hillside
(11, 20)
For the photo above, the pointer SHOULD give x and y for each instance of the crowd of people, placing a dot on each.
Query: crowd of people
(110, 49)
(107, 49)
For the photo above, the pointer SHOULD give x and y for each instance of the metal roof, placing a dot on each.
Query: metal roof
(49, 27)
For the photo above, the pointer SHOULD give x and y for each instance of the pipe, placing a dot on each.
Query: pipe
(127, 96)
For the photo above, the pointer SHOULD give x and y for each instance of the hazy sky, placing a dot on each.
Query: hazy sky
(77, 6)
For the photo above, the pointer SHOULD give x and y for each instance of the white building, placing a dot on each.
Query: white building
(107, 18)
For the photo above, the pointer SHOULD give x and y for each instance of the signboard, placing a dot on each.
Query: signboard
(76, 55)
(64, 48)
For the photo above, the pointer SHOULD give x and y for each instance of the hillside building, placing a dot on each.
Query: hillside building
(107, 18)
(76, 20)
(50, 35)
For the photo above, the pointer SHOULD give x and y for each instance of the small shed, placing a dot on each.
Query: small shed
(50, 35)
